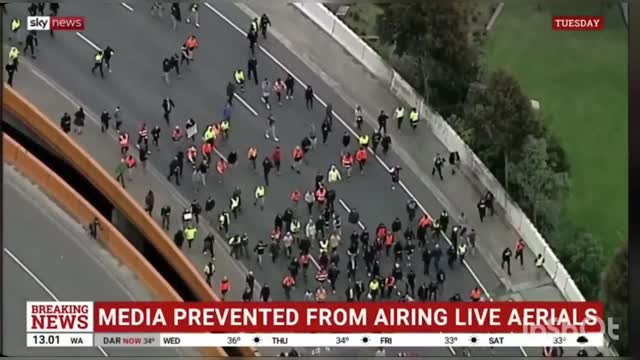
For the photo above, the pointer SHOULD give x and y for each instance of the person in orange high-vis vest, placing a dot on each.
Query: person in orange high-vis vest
(252, 155)
(295, 197)
(123, 139)
(347, 163)
(321, 294)
(321, 196)
(389, 241)
(192, 43)
(520, 252)
(225, 286)
(425, 221)
(287, 284)
(131, 164)
(361, 157)
(207, 150)
(221, 168)
(476, 294)
(298, 155)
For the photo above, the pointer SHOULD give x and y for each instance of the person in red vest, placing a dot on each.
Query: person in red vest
(347, 163)
(287, 284)
(361, 157)
(298, 155)
(207, 150)
(520, 252)
(321, 294)
(123, 139)
(276, 157)
(389, 285)
(476, 294)
(131, 164)
(322, 275)
(221, 167)
(389, 241)
(225, 286)
(321, 196)
(252, 155)
(295, 197)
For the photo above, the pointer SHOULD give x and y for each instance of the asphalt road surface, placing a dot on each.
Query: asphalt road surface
(49, 257)
(141, 42)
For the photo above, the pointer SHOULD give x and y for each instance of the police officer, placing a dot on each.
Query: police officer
(239, 77)
(190, 234)
(14, 57)
(31, 42)
(16, 26)
(506, 259)
(99, 60)
(414, 118)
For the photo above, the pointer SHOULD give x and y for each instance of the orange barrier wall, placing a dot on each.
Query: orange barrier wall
(105, 182)
(83, 212)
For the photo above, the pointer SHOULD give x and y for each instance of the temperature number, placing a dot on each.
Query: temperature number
(233, 340)
(559, 340)
(342, 340)
(450, 340)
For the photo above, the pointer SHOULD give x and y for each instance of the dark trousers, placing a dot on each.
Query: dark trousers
(10, 79)
(29, 46)
(520, 256)
(98, 65)
(174, 174)
(309, 103)
(120, 178)
(165, 222)
(508, 262)
(253, 73)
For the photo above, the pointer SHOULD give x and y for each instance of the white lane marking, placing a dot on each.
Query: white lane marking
(402, 185)
(255, 113)
(85, 39)
(41, 284)
(127, 6)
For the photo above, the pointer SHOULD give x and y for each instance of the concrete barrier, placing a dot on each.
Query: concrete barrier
(83, 212)
(105, 182)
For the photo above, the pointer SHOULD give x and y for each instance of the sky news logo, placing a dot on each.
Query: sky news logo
(58, 23)
(578, 23)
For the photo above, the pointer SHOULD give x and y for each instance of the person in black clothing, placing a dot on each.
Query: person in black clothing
(11, 69)
(289, 82)
(451, 256)
(264, 24)
(482, 209)
(108, 54)
(155, 136)
(232, 158)
(308, 97)
(94, 226)
(325, 129)
(165, 215)
(104, 121)
(382, 122)
(209, 204)
(178, 238)
(488, 200)
(386, 143)
(41, 8)
(231, 90)
(175, 64)
(346, 140)
(196, 209)
(166, 68)
(438, 163)
(176, 15)
(506, 259)
(265, 293)
(252, 69)
(375, 140)
(267, 165)
(208, 245)
(32, 9)
(167, 106)
(411, 282)
(432, 291)
(65, 123)
(253, 39)
(174, 170)
(31, 42)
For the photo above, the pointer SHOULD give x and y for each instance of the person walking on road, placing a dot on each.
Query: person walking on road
(225, 286)
(259, 195)
(308, 97)
(438, 164)
(176, 15)
(11, 69)
(149, 201)
(121, 169)
(30, 43)
(264, 24)
(194, 11)
(98, 64)
(252, 36)
(231, 91)
(520, 245)
(289, 82)
(506, 259)
(165, 215)
(104, 121)
(167, 107)
(267, 165)
(271, 128)
(399, 115)
(209, 270)
(252, 69)
(65, 123)
(382, 122)
(266, 92)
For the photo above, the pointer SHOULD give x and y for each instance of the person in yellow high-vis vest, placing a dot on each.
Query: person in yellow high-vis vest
(99, 60)
(414, 118)
(14, 56)
(239, 76)
(16, 30)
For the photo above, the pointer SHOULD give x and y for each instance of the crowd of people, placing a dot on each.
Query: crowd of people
(309, 233)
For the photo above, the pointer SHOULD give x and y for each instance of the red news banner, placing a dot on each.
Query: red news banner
(178, 324)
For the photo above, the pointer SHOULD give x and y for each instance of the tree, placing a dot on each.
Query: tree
(501, 118)
(583, 257)
(436, 34)
(540, 185)
(616, 296)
